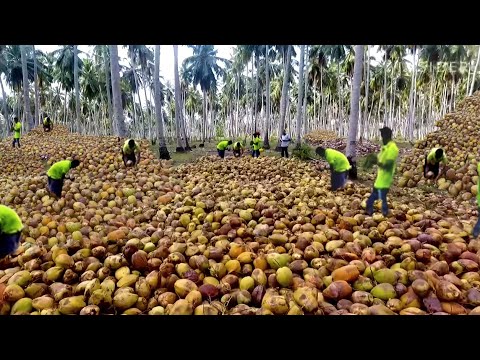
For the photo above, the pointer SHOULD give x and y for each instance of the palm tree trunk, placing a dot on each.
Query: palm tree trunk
(474, 75)
(305, 90)
(300, 94)
(355, 102)
(284, 98)
(28, 116)
(367, 86)
(107, 86)
(266, 141)
(163, 151)
(257, 60)
(149, 112)
(237, 104)
(178, 125)
(77, 86)
(204, 115)
(37, 96)
(385, 111)
(5, 107)
(116, 91)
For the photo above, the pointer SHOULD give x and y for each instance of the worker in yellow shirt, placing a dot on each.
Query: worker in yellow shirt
(431, 168)
(17, 127)
(131, 153)
(237, 149)
(56, 175)
(222, 146)
(385, 161)
(339, 166)
(10, 231)
(255, 143)
(47, 124)
(476, 229)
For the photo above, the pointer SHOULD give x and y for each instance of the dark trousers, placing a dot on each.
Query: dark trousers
(9, 243)
(237, 153)
(476, 229)
(256, 153)
(284, 151)
(221, 153)
(378, 194)
(338, 179)
(16, 141)
(129, 157)
(429, 167)
(46, 128)
(55, 186)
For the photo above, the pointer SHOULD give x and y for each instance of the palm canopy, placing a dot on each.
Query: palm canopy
(64, 60)
(203, 66)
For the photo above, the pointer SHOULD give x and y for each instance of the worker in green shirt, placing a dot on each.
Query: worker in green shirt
(17, 127)
(130, 152)
(47, 124)
(339, 166)
(237, 149)
(431, 168)
(222, 146)
(476, 229)
(10, 231)
(255, 143)
(56, 175)
(385, 161)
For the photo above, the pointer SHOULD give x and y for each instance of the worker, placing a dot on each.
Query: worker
(284, 142)
(255, 143)
(17, 127)
(339, 166)
(130, 153)
(10, 231)
(222, 146)
(56, 175)
(385, 161)
(431, 168)
(47, 124)
(237, 149)
(476, 229)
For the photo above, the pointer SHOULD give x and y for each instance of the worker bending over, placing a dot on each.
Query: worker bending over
(10, 231)
(385, 161)
(339, 166)
(56, 175)
(130, 153)
(237, 149)
(47, 124)
(431, 168)
(222, 146)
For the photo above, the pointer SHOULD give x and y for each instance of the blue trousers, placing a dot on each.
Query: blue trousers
(9, 243)
(55, 186)
(17, 141)
(476, 229)
(378, 194)
(338, 179)
(256, 153)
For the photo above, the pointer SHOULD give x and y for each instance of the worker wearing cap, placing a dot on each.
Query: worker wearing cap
(255, 143)
(339, 166)
(431, 168)
(10, 231)
(130, 152)
(476, 229)
(56, 175)
(222, 146)
(237, 149)
(386, 160)
(47, 124)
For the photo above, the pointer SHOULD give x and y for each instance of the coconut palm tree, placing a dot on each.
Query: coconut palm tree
(3, 70)
(355, 102)
(283, 101)
(300, 94)
(203, 64)
(178, 107)
(116, 91)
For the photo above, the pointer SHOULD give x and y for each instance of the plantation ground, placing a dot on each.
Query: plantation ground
(196, 235)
